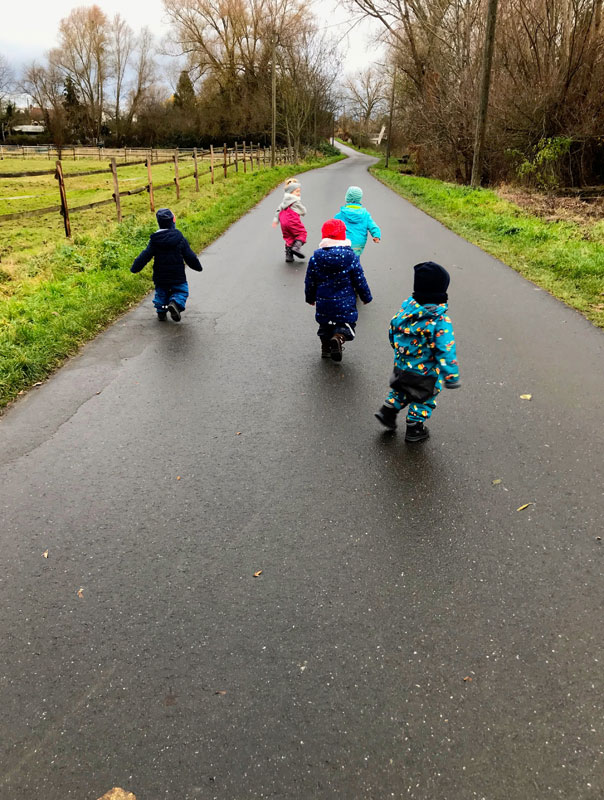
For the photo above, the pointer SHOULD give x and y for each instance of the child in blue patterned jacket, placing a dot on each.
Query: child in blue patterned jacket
(425, 360)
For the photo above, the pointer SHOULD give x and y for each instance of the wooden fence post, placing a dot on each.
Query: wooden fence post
(74, 156)
(150, 185)
(212, 163)
(116, 190)
(243, 156)
(196, 170)
(64, 208)
(224, 150)
(176, 177)
(236, 157)
(258, 155)
(125, 154)
(264, 156)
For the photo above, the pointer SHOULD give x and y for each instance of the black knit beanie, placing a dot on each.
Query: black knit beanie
(430, 283)
(165, 218)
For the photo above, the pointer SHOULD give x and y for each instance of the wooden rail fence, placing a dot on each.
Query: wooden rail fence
(231, 158)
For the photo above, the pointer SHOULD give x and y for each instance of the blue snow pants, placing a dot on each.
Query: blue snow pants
(177, 294)
(416, 412)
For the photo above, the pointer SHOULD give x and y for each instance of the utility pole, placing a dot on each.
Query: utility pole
(483, 100)
(390, 118)
(274, 100)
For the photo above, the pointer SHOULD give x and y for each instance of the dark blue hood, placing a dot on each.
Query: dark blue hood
(165, 218)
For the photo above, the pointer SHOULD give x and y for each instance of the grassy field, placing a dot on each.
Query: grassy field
(23, 238)
(565, 257)
(57, 293)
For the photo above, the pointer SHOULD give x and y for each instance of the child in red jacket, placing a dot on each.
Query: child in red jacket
(289, 216)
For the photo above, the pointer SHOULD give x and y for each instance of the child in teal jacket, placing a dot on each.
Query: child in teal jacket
(358, 220)
(425, 360)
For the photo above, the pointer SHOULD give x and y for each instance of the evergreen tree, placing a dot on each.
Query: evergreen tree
(184, 96)
(73, 109)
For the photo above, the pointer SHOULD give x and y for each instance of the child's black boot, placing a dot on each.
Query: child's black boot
(387, 416)
(289, 256)
(416, 432)
(325, 347)
(174, 311)
(161, 315)
(335, 346)
(297, 249)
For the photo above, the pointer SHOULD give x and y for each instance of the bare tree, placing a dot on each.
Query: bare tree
(7, 80)
(45, 86)
(144, 72)
(84, 54)
(121, 44)
(367, 92)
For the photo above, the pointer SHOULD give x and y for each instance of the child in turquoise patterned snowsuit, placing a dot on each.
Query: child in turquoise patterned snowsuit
(425, 360)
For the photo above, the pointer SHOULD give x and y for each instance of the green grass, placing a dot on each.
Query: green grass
(65, 291)
(22, 238)
(565, 258)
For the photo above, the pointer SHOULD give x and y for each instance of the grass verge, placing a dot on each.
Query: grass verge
(565, 258)
(78, 287)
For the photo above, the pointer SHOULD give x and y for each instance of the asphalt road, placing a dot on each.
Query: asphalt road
(412, 635)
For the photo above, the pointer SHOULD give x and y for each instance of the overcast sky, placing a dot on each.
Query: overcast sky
(27, 32)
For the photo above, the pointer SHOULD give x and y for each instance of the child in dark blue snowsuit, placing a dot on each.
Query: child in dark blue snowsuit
(425, 360)
(334, 278)
(170, 250)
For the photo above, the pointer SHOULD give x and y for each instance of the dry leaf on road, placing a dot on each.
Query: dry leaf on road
(468, 679)
(220, 691)
(526, 505)
(496, 481)
(118, 794)
(238, 433)
(178, 477)
(526, 396)
(80, 592)
(257, 574)
(45, 554)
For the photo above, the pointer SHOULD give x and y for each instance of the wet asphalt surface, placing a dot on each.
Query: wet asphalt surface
(412, 635)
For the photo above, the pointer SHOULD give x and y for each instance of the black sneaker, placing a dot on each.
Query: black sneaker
(174, 311)
(416, 432)
(387, 416)
(335, 346)
(289, 255)
(325, 348)
(161, 315)
(296, 249)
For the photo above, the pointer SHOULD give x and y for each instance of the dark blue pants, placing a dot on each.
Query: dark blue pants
(165, 294)
(327, 330)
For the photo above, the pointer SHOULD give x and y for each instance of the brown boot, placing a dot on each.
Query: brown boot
(335, 346)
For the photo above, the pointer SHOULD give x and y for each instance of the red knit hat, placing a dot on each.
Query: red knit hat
(333, 229)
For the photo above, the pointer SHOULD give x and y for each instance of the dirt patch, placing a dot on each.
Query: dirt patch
(552, 208)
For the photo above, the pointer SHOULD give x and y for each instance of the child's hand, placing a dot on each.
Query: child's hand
(275, 223)
(376, 240)
(310, 304)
